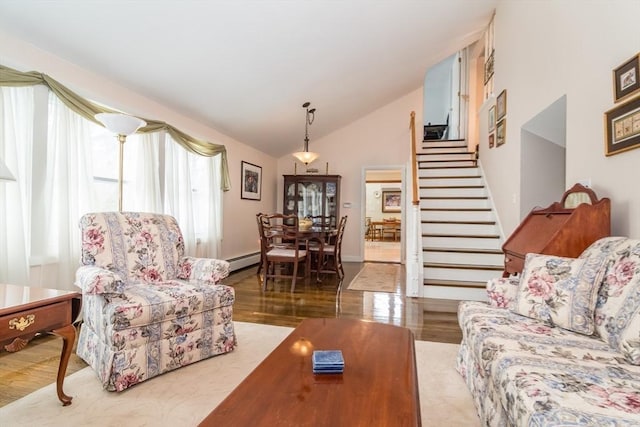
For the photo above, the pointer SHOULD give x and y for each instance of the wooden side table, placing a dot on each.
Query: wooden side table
(27, 311)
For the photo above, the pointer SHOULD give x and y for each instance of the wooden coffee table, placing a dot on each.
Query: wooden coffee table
(26, 311)
(379, 385)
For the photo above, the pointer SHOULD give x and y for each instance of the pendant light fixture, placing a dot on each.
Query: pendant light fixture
(307, 156)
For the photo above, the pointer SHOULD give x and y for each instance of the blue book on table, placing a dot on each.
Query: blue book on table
(327, 359)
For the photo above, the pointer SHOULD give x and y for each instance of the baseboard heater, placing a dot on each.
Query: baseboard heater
(243, 261)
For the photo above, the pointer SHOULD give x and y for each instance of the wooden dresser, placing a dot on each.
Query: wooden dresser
(565, 228)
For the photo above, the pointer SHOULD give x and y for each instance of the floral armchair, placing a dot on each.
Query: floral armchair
(148, 309)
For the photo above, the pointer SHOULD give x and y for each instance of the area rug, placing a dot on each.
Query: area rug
(186, 396)
(376, 277)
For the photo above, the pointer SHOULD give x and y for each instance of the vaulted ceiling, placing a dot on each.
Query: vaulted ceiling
(245, 67)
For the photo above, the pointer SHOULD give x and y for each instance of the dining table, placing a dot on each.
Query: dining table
(379, 227)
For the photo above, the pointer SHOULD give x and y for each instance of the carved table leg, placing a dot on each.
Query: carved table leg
(68, 335)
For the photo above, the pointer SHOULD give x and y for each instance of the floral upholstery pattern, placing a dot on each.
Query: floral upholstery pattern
(147, 308)
(97, 280)
(617, 314)
(561, 291)
(203, 269)
(503, 291)
(524, 371)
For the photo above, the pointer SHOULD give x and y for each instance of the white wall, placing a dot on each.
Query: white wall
(544, 50)
(374, 204)
(239, 223)
(539, 190)
(380, 138)
(438, 86)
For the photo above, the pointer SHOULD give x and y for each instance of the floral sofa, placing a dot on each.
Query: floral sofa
(558, 345)
(147, 309)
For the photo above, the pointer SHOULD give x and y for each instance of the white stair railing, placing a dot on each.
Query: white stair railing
(413, 266)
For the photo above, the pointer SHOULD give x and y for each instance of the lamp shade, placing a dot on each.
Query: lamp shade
(120, 124)
(5, 173)
(306, 157)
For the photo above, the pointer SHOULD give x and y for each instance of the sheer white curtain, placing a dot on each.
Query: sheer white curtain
(213, 195)
(148, 197)
(16, 145)
(177, 192)
(192, 194)
(69, 187)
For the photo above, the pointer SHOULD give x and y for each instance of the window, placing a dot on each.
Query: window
(76, 164)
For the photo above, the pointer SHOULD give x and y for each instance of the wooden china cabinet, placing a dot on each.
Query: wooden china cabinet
(312, 196)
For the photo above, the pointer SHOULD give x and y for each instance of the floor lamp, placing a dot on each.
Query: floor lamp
(123, 126)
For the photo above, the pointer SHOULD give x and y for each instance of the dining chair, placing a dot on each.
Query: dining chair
(373, 231)
(389, 227)
(328, 257)
(262, 228)
(280, 244)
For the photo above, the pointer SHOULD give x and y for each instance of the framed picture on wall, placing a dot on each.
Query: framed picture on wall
(492, 118)
(626, 79)
(622, 127)
(488, 68)
(501, 132)
(251, 179)
(492, 140)
(391, 201)
(501, 105)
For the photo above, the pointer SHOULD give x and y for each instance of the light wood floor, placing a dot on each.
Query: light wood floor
(431, 320)
(378, 251)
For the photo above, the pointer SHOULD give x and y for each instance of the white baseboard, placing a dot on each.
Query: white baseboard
(461, 294)
(243, 261)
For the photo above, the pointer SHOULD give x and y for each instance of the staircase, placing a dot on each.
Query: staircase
(461, 243)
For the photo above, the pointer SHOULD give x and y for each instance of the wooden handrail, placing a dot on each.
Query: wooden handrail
(414, 159)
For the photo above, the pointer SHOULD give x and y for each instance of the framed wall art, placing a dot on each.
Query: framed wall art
(622, 127)
(501, 132)
(501, 105)
(488, 68)
(626, 79)
(251, 178)
(492, 118)
(492, 140)
(391, 201)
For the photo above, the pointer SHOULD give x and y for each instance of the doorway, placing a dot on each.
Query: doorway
(382, 232)
(542, 153)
